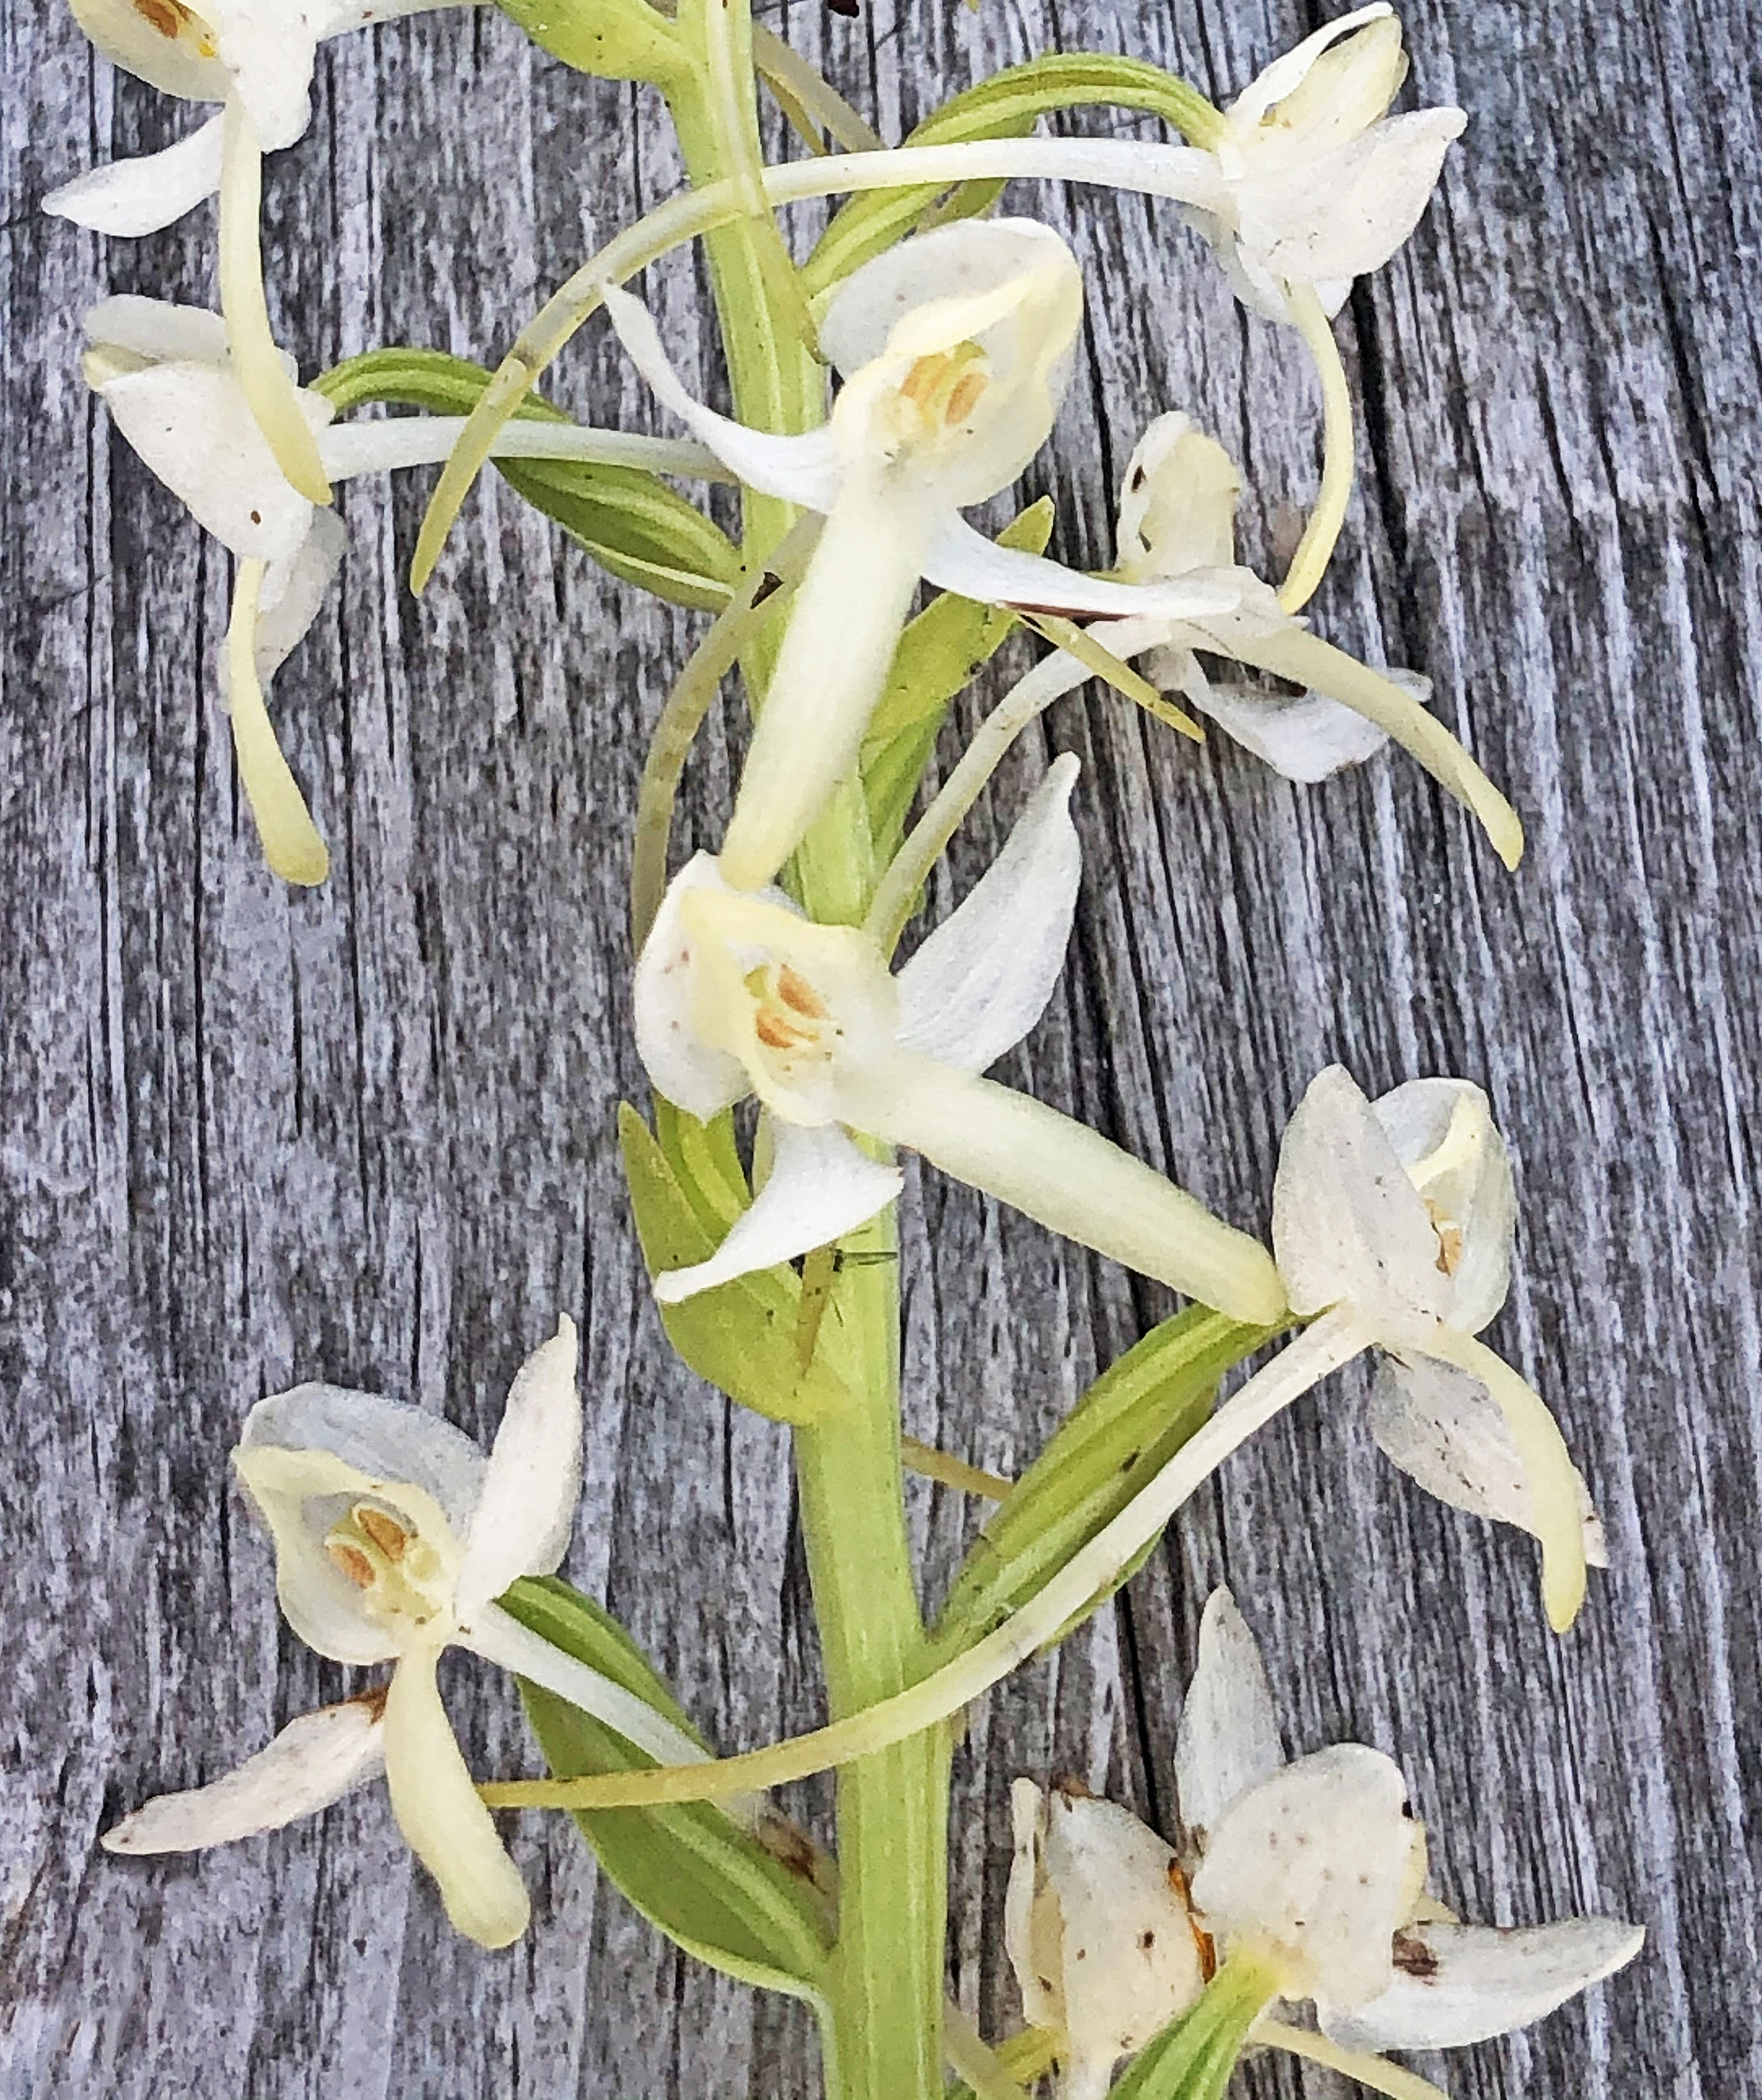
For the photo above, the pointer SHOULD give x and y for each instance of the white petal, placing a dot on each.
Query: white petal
(156, 331)
(268, 48)
(440, 1814)
(964, 561)
(1288, 71)
(1349, 1227)
(1457, 1984)
(1032, 1929)
(802, 469)
(1445, 1430)
(1444, 1135)
(983, 979)
(307, 1456)
(315, 1760)
(294, 591)
(183, 64)
(1345, 216)
(1131, 1962)
(1177, 503)
(192, 425)
(844, 628)
(526, 1508)
(1228, 1740)
(821, 1186)
(1066, 1175)
(964, 262)
(139, 195)
(1306, 737)
(1314, 1868)
(686, 1070)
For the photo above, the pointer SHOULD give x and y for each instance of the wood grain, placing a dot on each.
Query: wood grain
(365, 1134)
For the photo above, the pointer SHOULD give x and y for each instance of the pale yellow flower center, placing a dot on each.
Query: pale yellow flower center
(398, 1572)
(939, 392)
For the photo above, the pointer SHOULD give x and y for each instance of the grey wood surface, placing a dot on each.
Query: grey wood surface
(366, 1134)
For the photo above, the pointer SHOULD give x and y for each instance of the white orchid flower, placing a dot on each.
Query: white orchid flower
(955, 350)
(254, 58)
(1314, 1871)
(1177, 506)
(394, 1536)
(166, 376)
(1320, 184)
(738, 994)
(1400, 1215)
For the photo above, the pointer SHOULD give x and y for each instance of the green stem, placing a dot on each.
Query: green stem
(893, 1807)
(884, 2017)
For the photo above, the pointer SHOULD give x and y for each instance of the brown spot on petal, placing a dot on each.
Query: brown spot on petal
(373, 1700)
(1413, 1957)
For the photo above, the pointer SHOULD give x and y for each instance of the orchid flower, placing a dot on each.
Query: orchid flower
(1396, 1219)
(1320, 184)
(737, 993)
(165, 373)
(255, 58)
(1314, 1870)
(394, 1536)
(955, 349)
(1177, 505)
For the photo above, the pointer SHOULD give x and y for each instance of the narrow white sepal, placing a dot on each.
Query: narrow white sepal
(1228, 1739)
(532, 1482)
(126, 198)
(313, 1761)
(1307, 738)
(821, 1185)
(294, 591)
(1458, 1984)
(977, 985)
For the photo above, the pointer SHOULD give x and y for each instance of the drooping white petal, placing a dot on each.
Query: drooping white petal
(1314, 1868)
(1306, 737)
(692, 1074)
(831, 669)
(526, 1506)
(1349, 1227)
(983, 979)
(127, 330)
(1228, 1740)
(125, 198)
(438, 1810)
(500, 1637)
(315, 1760)
(1444, 1135)
(294, 592)
(1457, 1984)
(1066, 1175)
(1374, 193)
(964, 561)
(821, 1185)
(192, 424)
(1130, 1962)
(293, 847)
(802, 469)
(1445, 1430)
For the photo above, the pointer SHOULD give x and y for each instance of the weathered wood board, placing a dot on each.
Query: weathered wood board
(366, 1133)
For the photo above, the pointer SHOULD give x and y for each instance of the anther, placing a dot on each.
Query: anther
(386, 1532)
(352, 1562)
